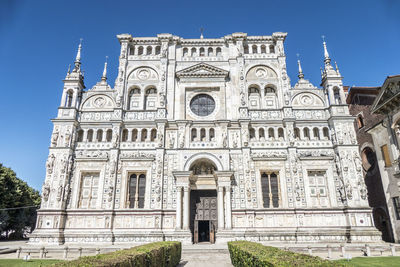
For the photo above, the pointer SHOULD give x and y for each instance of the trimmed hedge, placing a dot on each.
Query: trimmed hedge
(158, 254)
(245, 253)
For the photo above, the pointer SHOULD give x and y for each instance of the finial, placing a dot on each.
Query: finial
(322, 72)
(301, 75)
(69, 69)
(326, 54)
(201, 33)
(337, 68)
(104, 77)
(77, 62)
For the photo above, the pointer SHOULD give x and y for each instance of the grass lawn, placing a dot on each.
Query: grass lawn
(374, 261)
(30, 263)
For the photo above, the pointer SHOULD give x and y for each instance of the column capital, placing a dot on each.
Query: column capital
(223, 178)
(182, 178)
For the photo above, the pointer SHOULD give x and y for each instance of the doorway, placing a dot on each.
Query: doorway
(203, 215)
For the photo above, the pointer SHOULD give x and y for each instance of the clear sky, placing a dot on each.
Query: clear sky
(38, 39)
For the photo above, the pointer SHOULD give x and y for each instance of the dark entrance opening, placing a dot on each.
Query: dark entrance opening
(204, 231)
(203, 215)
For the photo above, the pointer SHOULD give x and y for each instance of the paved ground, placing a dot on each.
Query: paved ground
(200, 255)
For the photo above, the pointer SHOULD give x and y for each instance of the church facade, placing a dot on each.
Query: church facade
(203, 140)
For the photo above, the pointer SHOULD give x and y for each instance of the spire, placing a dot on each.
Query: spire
(77, 62)
(301, 75)
(104, 77)
(327, 59)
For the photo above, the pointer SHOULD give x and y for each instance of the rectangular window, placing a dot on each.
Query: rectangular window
(385, 155)
(318, 188)
(89, 190)
(396, 205)
(270, 189)
(137, 189)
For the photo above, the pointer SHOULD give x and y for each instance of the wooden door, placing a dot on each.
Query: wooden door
(196, 232)
(212, 234)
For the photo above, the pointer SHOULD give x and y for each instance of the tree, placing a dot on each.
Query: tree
(18, 204)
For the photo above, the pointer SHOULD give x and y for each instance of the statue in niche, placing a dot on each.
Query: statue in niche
(171, 140)
(181, 137)
(110, 193)
(54, 138)
(45, 192)
(59, 192)
(164, 49)
(224, 139)
(63, 164)
(357, 161)
(235, 140)
(349, 190)
(50, 163)
(160, 138)
(245, 136)
(115, 137)
(67, 138)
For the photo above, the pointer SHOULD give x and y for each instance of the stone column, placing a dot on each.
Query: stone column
(228, 209)
(186, 207)
(221, 219)
(179, 208)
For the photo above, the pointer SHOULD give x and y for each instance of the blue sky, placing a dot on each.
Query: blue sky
(38, 39)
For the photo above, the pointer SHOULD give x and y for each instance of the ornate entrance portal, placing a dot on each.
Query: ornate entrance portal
(203, 215)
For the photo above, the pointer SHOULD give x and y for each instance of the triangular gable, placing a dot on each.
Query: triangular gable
(390, 90)
(202, 70)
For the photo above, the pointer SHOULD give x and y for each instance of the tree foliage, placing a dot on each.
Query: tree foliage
(15, 194)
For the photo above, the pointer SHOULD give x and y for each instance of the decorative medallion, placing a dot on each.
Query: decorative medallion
(143, 74)
(99, 102)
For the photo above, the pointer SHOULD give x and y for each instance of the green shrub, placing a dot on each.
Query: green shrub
(245, 253)
(158, 254)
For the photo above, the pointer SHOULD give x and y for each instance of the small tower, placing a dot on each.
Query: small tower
(73, 84)
(332, 80)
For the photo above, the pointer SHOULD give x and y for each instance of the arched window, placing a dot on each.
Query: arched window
(261, 133)
(140, 50)
(254, 49)
(90, 135)
(203, 134)
(252, 134)
(246, 49)
(336, 95)
(326, 133)
(149, 50)
(360, 121)
(316, 133)
(202, 52)
(272, 49)
(281, 134)
(210, 52)
(134, 135)
(263, 49)
(134, 98)
(306, 133)
(270, 190)
(185, 52)
(219, 51)
(157, 50)
(150, 97)
(144, 135)
(131, 50)
(109, 135)
(269, 90)
(153, 135)
(68, 100)
(99, 135)
(254, 90)
(212, 134)
(124, 135)
(297, 133)
(194, 52)
(137, 188)
(194, 134)
(271, 134)
(80, 135)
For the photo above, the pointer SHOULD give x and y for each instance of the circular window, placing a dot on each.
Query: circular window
(202, 105)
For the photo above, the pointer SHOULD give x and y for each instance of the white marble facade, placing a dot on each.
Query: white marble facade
(203, 114)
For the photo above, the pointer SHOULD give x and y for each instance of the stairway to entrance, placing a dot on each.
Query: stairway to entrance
(202, 254)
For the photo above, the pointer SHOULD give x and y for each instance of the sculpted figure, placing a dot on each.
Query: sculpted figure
(160, 138)
(59, 192)
(54, 138)
(45, 191)
(50, 163)
(224, 139)
(67, 138)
